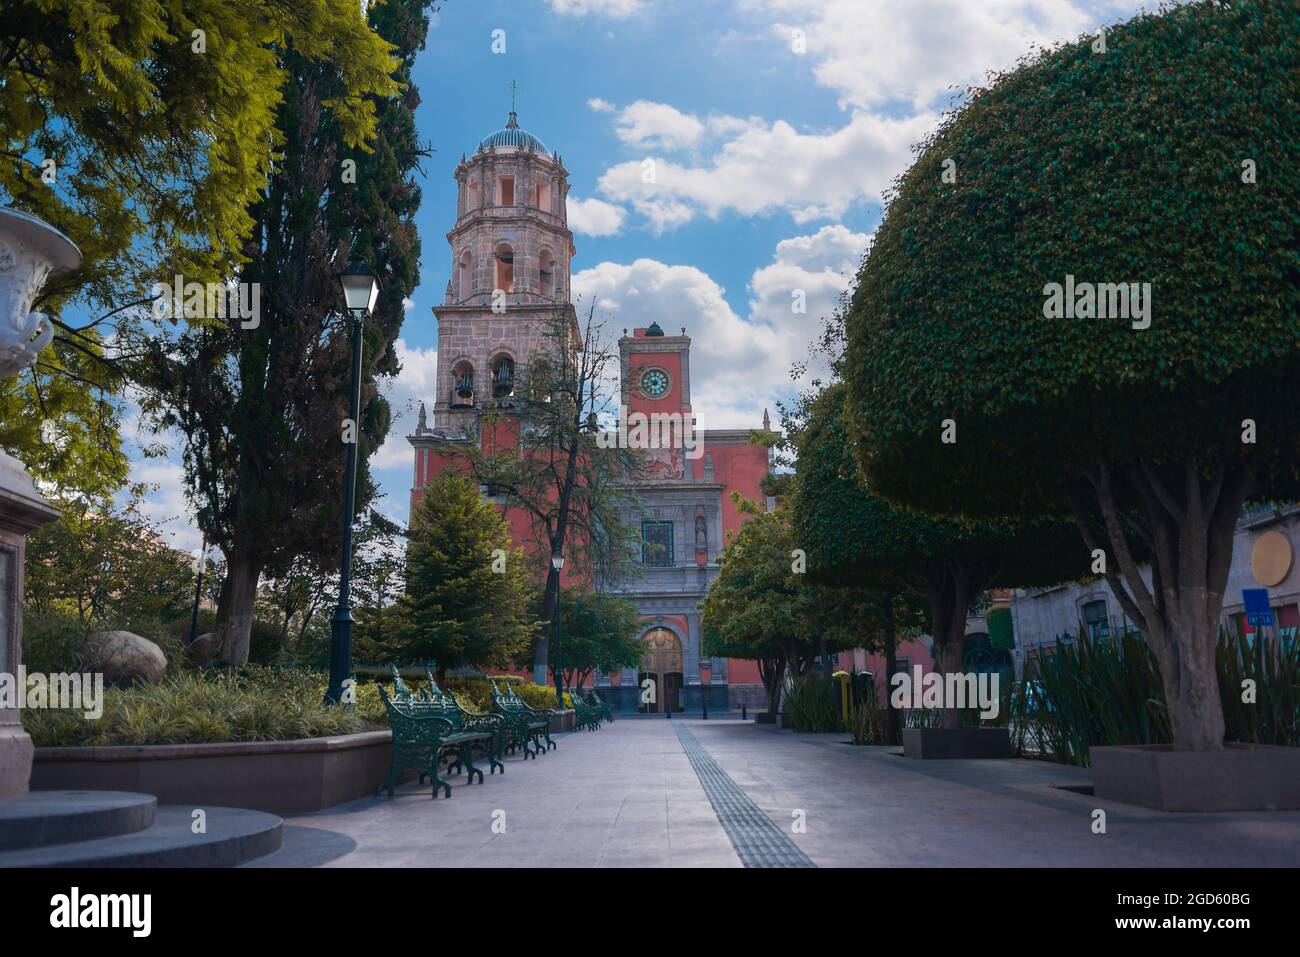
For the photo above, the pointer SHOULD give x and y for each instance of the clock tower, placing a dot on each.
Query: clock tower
(655, 372)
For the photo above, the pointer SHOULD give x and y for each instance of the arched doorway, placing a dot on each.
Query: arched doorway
(661, 661)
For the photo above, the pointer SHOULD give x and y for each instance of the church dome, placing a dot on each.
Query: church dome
(511, 136)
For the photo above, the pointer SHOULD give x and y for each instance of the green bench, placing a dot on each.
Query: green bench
(600, 704)
(529, 728)
(429, 729)
(585, 717)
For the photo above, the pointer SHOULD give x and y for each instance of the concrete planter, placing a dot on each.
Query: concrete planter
(956, 743)
(283, 777)
(1241, 777)
(563, 720)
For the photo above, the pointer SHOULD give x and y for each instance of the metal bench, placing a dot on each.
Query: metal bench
(530, 728)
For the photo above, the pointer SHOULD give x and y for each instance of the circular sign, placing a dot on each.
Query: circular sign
(1270, 559)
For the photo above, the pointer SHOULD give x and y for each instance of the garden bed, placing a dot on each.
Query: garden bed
(283, 777)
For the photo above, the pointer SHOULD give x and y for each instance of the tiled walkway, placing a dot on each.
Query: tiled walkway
(630, 796)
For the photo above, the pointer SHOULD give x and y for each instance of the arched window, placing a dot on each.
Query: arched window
(546, 273)
(473, 196)
(465, 276)
(462, 385)
(503, 376)
(505, 262)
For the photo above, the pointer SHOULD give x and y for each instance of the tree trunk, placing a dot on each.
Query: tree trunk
(234, 625)
(1188, 521)
(894, 728)
(828, 669)
(949, 590)
(772, 673)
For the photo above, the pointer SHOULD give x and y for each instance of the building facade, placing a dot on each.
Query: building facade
(1263, 556)
(511, 256)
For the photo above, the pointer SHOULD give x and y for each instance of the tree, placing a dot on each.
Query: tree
(468, 592)
(1157, 411)
(854, 536)
(599, 634)
(107, 564)
(553, 468)
(263, 407)
(763, 608)
(145, 130)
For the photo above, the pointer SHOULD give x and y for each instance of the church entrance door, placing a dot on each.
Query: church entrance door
(661, 661)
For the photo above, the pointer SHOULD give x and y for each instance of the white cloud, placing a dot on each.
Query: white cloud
(910, 52)
(607, 8)
(165, 505)
(600, 106)
(648, 125)
(774, 167)
(415, 383)
(594, 217)
(739, 365)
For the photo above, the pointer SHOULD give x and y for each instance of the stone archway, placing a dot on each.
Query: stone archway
(661, 661)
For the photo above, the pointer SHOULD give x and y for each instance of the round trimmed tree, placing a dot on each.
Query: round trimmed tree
(1090, 279)
(854, 537)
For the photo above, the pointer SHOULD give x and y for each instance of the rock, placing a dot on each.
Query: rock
(202, 651)
(125, 659)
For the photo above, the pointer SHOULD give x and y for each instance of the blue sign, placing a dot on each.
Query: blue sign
(1258, 611)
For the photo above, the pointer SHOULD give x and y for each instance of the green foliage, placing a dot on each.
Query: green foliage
(1119, 167)
(161, 150)
(107, 562)
(59, 418)
(1094, 692)
(869, 722)
(458, 608)
(600, 634)
(261, 406)
(53, 641)
(810, 705)
(196, 708)
(855, 537)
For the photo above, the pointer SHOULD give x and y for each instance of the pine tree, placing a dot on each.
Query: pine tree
(468, 593)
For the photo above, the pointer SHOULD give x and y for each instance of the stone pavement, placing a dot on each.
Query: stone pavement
(650, 793)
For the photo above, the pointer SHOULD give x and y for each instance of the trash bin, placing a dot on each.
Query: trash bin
(845, 680)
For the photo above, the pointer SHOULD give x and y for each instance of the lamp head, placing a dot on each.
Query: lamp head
(360, 288)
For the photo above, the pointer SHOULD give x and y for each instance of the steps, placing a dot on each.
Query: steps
(59, 817)
(122, 829)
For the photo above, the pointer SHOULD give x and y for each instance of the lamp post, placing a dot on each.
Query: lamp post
(360, 293)
(557, 562)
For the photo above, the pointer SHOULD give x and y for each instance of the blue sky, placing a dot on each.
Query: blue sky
(775, 125)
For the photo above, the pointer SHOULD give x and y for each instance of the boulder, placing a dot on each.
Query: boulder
(125, 659)
(202, 651)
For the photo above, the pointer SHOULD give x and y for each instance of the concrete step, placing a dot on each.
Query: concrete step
(42, 818)
(233, 836)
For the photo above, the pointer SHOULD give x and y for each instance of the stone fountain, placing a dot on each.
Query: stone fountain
(31, 251)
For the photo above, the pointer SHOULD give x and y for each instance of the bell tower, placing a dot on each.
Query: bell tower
(511, 254)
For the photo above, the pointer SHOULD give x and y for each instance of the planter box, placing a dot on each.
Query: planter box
(282, 777)
(1241, 777)
(563, 720)
(956, 743)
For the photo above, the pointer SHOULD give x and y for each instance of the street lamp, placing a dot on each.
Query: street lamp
(360, 293)
(557, 562)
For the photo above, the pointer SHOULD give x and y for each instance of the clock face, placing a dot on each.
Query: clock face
(654, 383)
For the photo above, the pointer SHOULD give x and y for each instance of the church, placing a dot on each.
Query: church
(511, 256)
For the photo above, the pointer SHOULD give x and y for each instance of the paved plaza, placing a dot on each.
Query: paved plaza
(692, 793)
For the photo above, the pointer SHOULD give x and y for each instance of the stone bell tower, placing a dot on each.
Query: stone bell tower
(511, 251)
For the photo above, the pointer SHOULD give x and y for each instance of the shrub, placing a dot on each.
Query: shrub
(53, 641)
(810, 706)
(256, 704)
